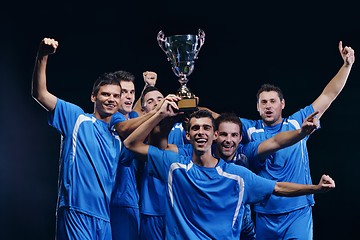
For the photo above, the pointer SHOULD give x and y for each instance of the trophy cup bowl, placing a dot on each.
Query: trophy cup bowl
(181, 51)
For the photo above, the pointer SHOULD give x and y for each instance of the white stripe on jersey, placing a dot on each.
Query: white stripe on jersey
(252, 130)
(170, 178)
(240, 181)
(81, 119)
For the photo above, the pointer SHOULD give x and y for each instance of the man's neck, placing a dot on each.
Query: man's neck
(205, 159)
(126, 114)
(270, 124)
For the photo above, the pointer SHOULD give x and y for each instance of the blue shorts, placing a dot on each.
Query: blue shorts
(297, 224)
(125, 223)
(152, 227)
(71, 224)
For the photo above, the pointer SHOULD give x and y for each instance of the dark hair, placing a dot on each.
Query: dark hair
(147, 90)
(200, 114)
(124, 76)
(228, 117)
(267, 88)
(104, 79)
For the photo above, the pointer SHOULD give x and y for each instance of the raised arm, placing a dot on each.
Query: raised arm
(335, 86)
(287, 138)
(38, 88)
(135, 141)
(150, 80)
(293, 189)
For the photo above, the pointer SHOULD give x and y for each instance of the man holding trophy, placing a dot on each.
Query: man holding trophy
(181, 51)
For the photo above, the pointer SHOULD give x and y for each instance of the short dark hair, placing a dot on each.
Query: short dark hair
(122, 75)
(228, 117)
(147, 90)
(200, 114)
(269, 87)
(104, 79)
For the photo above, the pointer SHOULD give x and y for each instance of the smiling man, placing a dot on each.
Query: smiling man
(89, 152)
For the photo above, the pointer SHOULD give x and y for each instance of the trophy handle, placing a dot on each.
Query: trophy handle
(162, 40)
(201, 38)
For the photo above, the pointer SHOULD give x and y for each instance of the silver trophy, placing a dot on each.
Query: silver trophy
(181, 51)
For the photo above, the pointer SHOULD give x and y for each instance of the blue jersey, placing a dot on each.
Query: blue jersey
(89, 155)
(153, 196)
(290, 164)
(248, 226)
(125, 191)
(205, 203)
(177, 135)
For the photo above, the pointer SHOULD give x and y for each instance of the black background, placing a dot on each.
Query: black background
(292, 44)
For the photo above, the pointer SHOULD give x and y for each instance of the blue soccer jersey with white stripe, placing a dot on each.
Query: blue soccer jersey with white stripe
(153, 190)
(290, 164)
(205, 203)
(125, 191)
(89, 155)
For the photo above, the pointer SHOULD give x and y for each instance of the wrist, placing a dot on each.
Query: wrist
(148, 85)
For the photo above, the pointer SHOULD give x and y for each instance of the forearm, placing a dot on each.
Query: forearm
(214, 114)
(279, 141)
(125, 128)
(137, 106)
(39, 77)
(334, 87)
(159, 135)
(135, 140)
(293, 189)
(38, 87)
(332, 90)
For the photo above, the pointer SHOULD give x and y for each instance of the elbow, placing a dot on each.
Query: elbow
(127, 143)
(34, 94)
(36, 97)
(38, 94)
(123, 133)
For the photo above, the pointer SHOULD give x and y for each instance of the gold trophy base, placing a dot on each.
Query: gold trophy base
(187, 104)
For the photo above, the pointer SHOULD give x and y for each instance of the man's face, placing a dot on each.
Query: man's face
(201, 134)
(228, 140)
(151, 100)
(106, 102)
(127, 97)
(270, 107)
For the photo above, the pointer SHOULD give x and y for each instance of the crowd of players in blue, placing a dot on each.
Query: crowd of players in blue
(147, 170)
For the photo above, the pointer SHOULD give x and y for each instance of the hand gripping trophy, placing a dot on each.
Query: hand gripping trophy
(181, 51)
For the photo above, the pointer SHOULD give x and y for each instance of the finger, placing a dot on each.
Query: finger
(340, 46)
(312, 115)
(173, 97)
(174, 105)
